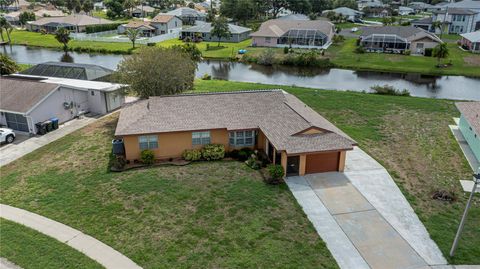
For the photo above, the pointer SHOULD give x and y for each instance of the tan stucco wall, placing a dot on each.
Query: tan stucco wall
(171, 145)
(302, 164)
(341, 162)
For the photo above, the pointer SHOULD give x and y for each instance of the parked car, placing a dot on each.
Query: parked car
(7, 135)
(354, 29)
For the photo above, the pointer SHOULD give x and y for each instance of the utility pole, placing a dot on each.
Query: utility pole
(476, 181)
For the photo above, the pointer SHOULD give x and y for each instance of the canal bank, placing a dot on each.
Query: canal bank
(446, 87)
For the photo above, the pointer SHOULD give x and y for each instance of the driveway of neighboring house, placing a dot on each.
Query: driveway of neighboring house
(25, 144)
(363, 217)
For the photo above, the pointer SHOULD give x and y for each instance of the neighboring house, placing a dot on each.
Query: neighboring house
(27, 100)
(288, 131)
(76, 23)
(17, 5)
(98, 6)
(14, 17)
(281, 12)
(348, 13)
(159, 25)
(294, 33)
(203, 30)
(370, 4)
(405, 11)
(471, 41)
(377, 12)
(295, 17)
(69, 70)
(187, 15)
(424, 23)
(457, 20)
(142, 11)
(420, 6)
(469, 125)
(466, 4)
(397, 39)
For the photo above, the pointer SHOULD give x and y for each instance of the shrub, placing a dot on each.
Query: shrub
(208, 46)
(338, 39)
(285, 50)
(428, 52)
(244, 154)
(275, 174)
(253, 162)
(147, 156)
(389, 90)
(267, 57)
(213, 152)
(307, 59)
(118, 162)
(360, 50)
(206, 77)
(233, 154)
(407, 52)
(192, 155)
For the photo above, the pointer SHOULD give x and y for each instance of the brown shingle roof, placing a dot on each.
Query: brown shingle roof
(137, 24)
(471, 113)
(279, 115)
(19, 95)
(276, 28)
(162, 18)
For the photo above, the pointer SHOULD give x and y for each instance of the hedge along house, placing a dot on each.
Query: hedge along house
(28, 100)
(77, 23)
(288, 131)
(469, 125)
(294, 33)
(398, 39)
(203, 30)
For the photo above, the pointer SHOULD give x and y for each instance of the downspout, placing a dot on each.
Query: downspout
(106, 105)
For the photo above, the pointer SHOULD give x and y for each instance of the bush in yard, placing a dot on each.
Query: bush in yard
(267, 57)
(244, 154)
(428, 52)
(192, 154)
(275, 174)
(206, 77)
(147, 156)
(407, 52)
(338, 39)
(285, 50)
(118, 163)
(253, 163)
(213, 152)
(360, 50)
(389, 90)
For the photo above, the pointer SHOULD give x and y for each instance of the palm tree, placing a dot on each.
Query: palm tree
(438, 25)
(5, 26)
(440, 51)
(133, 34)
(62, 35)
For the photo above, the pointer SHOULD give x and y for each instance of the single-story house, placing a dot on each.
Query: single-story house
(295, 17)
(405, 11)
(377, 12)
(370, 4)
(204, 29)
(75, 23)
(28, 100)
(159, 25)
(16, 5)
(420, 6)
(288, 131)
(398, 39)
(141, 11)
(424, 23)
(188, 15)
(457, 20)
(294, 33)
(14, 17)
(471, 41)
(348, 13)
(69, 70)
(469, 124)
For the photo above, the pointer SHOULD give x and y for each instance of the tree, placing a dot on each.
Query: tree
(345, 3)
(62, 35)
(300, 6)
(220, 29)
(191, 49)
(133, 34)
(115, 8)
(318, 6)
(154, 71)
(438, 25)
(440, 51)
(5, 26)
(26, 16)
(274, 6)
(191, 5)
(71, 5)
(7, 65)
(211, 14)
(238, 10)
(129, 5)
(87, 6)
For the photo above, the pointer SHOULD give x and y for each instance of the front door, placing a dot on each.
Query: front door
(293, 166)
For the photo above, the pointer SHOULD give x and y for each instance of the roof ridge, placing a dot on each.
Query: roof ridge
(218, 93)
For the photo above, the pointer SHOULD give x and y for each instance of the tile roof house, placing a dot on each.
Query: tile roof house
(397, 39)
(203, 29)
(295, 33)
(27, 100)
(76, 23)
(471, 41)
(469, 125)
(290, 132)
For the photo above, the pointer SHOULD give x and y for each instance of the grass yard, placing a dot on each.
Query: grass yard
(21, 37)
(464, 63)
(28, 249)
(203, 215)
(411, 138)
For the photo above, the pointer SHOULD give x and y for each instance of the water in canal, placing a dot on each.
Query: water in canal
(450, 87)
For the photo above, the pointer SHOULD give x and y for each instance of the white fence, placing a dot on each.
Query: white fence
(112, 36)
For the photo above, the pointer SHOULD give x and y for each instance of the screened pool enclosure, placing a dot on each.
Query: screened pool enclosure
(385, 42)
(303, 37)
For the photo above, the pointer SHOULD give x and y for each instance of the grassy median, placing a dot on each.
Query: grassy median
(30, 249)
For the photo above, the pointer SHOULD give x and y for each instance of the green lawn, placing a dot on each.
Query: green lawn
(28, 248)
(21, 37)
(464, 63)
(203, 215)
(411, 138)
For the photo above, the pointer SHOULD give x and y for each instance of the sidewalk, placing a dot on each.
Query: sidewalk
(91, 247)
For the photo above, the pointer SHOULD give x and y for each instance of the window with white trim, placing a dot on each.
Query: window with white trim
(242, 138)
(201, 138)
(148, 142)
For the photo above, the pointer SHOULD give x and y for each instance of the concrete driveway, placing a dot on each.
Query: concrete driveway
(363, 217)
